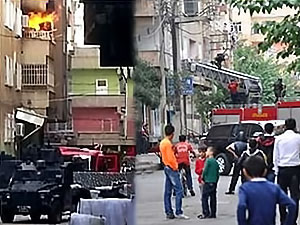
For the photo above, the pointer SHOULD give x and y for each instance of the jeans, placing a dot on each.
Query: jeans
(172, 181)
(271, 176)
(209, 193)
(288, 179)
(189, 180)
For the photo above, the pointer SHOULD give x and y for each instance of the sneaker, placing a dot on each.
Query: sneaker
(182, 216)
(212, 217)
(170, 216)
(229, 193)
(202, 217)
(192, 193)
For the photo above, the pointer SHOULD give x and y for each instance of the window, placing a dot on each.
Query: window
(255, 30)
(9, 128)
(101, 87)
(9, 71)
(236, 27)
(9, 15)
(18, 25)
(19, 76)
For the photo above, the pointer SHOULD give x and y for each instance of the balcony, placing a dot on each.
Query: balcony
(37, 75)
(41, 35)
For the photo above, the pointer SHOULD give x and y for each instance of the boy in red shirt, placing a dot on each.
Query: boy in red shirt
(183, 150)
(200, 166)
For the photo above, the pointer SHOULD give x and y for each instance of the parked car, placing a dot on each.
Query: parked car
(220, 136)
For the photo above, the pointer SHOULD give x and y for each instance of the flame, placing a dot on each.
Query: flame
(42, 20)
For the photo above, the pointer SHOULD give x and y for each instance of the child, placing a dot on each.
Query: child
(251, 151)
(210, 178)
(199, 168)
(259, 197)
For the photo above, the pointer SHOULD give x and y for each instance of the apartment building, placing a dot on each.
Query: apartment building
(34, 64)
(243, 26)
(10, 70)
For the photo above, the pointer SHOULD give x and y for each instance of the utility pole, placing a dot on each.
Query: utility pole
(162, 64)
(176, 58)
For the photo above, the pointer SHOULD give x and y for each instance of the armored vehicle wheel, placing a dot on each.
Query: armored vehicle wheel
(55, 214)
(7, 216)
(35, 217)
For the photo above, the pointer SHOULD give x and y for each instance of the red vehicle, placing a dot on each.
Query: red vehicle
(280, 111)
(98, 162)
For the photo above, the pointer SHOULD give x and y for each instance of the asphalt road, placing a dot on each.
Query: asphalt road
(150, 209)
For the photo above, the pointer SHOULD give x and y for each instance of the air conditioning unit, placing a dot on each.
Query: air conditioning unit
(191, 8)
(25, 21)
(20, 129)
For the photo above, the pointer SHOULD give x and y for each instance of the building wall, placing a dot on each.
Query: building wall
(84, 80)
(96, 120)
(10, 98)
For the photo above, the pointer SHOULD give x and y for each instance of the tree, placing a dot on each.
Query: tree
(285, 32)
(206, 101)
(146, 88)
(147, 84)
(248, 60)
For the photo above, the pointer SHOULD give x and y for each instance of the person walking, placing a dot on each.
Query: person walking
(258, 198)
(287, 164)
(266, 144)
(210, 178)
(236, 148)
(183, 150)
(172, 176)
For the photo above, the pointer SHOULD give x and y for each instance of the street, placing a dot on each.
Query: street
(150, 202)
(23, 220)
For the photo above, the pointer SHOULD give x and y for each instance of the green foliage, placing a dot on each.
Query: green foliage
(248, 60)
(285, 32)
(147, 84)
(206, 101)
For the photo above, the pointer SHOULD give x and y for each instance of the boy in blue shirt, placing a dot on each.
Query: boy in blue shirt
(259, 197)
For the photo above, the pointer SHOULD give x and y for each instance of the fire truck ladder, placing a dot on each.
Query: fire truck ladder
(250, 86)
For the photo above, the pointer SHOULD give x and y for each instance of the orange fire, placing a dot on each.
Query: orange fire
(42, 20)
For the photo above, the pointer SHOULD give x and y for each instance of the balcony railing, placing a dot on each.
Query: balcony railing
(37, 75)
(42, 35)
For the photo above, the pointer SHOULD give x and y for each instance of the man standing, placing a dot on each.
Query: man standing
(287, 164)
(172, 176)
(236, 148)
(233, 88)
(183, 150)
(266, 144)
(279, 90)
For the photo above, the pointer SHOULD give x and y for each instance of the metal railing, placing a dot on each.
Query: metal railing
(37, 75)
(42, 35)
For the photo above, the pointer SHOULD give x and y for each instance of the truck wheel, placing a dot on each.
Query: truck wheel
(224, 164)
(55, 214)
(7, 216)
(35, 217)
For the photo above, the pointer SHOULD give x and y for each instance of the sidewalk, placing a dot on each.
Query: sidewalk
(146, 163)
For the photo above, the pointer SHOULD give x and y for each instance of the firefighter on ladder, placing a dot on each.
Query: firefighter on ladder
(279, 90)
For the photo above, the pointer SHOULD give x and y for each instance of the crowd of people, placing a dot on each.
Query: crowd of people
(258, 161)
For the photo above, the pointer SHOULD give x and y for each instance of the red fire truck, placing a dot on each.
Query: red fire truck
(280, 111)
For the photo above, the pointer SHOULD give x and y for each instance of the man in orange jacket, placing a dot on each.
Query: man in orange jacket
(172, 176)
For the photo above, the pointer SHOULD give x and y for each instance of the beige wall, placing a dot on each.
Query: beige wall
(10, 98)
